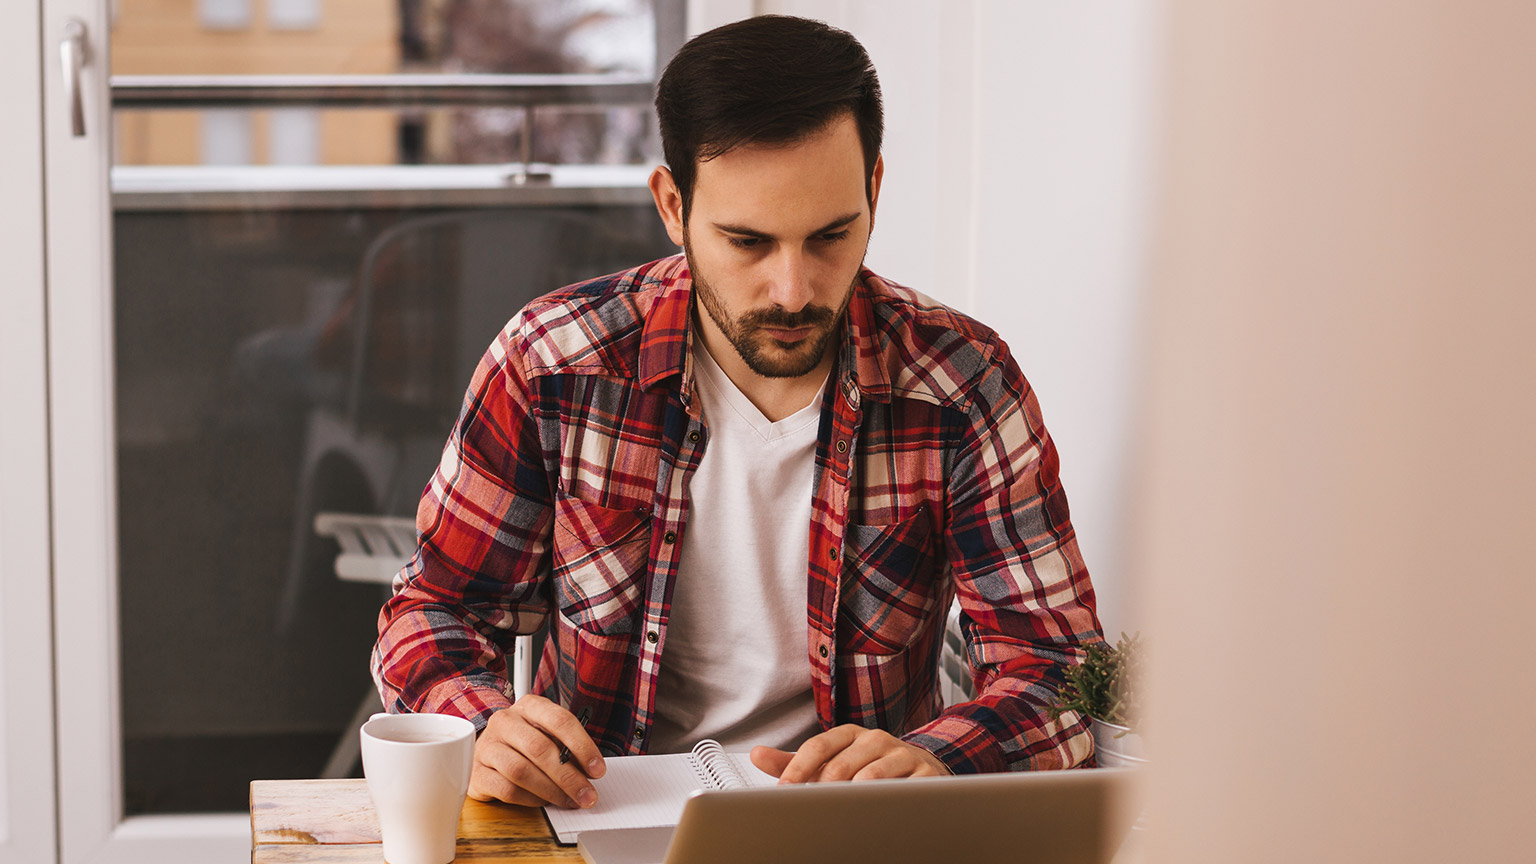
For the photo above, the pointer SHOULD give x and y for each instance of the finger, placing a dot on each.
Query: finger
(488, 784)
(485, 782)
(525, 774)
(514, 746)
(543, 756)
(889, 766)
(903, 760)
(814, 753)
(567, 731)
(770, 761)
(866, 747)
(490, 778)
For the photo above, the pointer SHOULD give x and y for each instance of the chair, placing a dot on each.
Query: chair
(955, 682)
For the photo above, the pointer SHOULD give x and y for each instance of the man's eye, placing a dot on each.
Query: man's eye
(744, 242)
(835, 236)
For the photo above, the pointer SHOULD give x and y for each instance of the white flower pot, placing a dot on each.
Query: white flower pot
(1117, 746)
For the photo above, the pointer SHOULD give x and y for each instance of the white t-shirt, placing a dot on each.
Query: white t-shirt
(734, 666)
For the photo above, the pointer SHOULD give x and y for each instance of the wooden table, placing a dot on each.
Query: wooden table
(332, 822)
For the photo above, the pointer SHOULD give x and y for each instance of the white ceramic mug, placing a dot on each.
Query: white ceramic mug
(417, 767)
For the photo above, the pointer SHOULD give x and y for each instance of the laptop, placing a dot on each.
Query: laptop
(1049, 817)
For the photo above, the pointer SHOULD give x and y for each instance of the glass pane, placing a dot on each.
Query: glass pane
(271, 367)
(381, 37)
(301, 294)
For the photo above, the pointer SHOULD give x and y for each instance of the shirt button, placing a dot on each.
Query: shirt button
(822, 650)
(670, 537)
(694, 437)
(639, 733)
(651, 637)
(832, 553)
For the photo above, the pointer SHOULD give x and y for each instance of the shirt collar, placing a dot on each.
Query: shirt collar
(668, 335)
(861, 343)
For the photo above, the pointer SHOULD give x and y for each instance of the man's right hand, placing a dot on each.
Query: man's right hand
(517, 757)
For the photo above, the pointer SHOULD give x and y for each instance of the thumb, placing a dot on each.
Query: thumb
(770, 761)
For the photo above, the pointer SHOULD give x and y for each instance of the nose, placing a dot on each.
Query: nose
(790, 288)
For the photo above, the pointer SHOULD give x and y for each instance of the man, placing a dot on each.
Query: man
(742, 486)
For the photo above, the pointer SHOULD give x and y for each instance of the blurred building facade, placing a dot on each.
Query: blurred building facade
(355, 37)
(255, 37)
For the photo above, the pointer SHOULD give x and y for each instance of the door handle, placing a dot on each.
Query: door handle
(72, 58)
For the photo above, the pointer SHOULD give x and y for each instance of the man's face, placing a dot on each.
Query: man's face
(775, 240)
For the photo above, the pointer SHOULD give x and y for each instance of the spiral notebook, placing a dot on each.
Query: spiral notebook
(649, 791)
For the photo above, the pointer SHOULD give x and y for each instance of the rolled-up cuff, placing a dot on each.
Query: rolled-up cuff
(474, 700)
(962, 744)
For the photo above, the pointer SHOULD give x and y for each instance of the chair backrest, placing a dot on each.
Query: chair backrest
(375, 548)
(433, 291)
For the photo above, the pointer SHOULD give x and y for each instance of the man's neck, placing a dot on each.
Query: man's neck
(777, 398)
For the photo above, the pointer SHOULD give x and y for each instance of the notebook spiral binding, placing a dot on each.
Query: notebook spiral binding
(715, 767)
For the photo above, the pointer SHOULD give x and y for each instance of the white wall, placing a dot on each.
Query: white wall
(1063, 166)
(1018, 159)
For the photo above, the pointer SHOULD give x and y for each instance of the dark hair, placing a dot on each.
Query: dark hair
(771, 79)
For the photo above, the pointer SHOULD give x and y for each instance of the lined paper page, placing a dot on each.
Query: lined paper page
(643, 792)
(637, 792)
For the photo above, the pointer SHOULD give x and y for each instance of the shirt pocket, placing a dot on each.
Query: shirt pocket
(888, 585)
(600, 561)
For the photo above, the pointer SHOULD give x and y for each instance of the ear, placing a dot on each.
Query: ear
(874, 187)
(669, 202)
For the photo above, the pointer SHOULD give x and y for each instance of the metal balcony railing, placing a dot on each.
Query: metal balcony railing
(526, 92)
(376, 91)
(181, 188)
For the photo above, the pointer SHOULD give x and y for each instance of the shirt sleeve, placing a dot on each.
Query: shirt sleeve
(1027, 605)
(478, 578)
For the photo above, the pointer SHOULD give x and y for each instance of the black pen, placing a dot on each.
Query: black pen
(565, 752)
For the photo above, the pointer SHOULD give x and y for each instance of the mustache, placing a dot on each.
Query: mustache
(810, 316)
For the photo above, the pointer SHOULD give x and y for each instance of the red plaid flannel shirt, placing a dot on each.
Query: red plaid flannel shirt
(561, 497)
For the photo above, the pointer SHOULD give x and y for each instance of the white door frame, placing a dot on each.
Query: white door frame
(91, 827)
(27, 816)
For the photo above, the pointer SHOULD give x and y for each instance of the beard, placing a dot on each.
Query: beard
(763, 354)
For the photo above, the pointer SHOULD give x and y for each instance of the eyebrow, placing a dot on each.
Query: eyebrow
(828, 228)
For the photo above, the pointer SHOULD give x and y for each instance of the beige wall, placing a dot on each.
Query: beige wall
(165, 37)
(1336, 516)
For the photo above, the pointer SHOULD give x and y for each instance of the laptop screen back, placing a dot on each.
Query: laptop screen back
(1059, 817)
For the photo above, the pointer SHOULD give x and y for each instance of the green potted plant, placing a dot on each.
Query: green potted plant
(1106, 687)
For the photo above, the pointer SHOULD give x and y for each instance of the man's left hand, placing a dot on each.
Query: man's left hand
(849, 752)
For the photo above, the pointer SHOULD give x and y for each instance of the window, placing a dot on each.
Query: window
(224, 14)
(226, 137)
(293, 136)
(293, 14)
